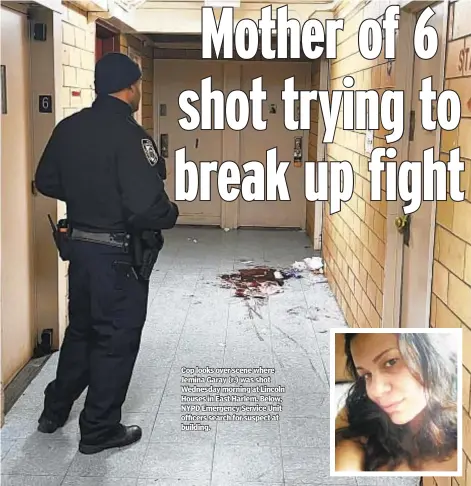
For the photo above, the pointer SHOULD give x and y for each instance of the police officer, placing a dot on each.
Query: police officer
(107, 170)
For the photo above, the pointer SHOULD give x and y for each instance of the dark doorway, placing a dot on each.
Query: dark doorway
(106, 40)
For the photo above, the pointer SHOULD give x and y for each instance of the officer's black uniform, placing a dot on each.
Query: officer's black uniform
(107, 170)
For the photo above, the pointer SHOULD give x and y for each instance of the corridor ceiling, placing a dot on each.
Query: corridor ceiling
(184, 16)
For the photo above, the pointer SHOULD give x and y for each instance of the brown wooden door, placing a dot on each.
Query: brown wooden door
(106, 41)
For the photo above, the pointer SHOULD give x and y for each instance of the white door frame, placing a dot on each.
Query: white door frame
(43, 77)
(404, 65)
(51, 84)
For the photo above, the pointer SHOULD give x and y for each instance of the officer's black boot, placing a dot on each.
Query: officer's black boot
(48, 426)
(126, 435)
(56, 411)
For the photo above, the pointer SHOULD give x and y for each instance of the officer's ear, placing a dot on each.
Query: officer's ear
(134, 89)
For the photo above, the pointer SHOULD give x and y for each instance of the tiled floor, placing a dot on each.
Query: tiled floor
(192, 321)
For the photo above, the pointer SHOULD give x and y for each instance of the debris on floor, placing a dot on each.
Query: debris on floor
(260, 282)
(257, 282)
(194, 240)
(313, 264)
(292, 273)
(255, 285)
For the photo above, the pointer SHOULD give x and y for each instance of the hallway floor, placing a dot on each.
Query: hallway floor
(194, 321)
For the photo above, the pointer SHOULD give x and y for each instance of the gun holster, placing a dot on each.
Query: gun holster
(61, 235)
(146, 246)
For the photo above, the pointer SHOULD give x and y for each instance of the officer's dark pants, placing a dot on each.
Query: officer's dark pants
(107, 311)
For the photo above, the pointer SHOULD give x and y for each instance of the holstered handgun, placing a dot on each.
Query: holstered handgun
(147, 246)
(61, 234)
(137, 250)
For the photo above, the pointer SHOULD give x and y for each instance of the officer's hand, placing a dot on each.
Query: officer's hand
(177, 210)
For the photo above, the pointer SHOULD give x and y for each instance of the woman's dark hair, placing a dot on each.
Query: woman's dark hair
(433, 362)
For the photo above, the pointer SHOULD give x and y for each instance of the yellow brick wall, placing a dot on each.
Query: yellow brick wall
(451, 291)
(78, 64)
(78, 60)
(147, 56)
(354, 239)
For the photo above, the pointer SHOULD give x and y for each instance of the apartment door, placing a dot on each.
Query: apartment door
(254, 145)
(16, 256)
(171, 78)
(419, 240)
(106, 41)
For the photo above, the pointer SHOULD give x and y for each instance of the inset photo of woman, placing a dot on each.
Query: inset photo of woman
(396, 402)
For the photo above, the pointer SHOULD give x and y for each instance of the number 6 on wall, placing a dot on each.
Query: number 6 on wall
(45, 104)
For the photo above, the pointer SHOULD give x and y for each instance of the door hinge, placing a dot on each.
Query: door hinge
(34, 191)
(412, 126)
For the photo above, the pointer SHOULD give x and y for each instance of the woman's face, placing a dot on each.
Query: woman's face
(389, 382)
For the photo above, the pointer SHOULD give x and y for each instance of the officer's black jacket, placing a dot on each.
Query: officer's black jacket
(99, 163)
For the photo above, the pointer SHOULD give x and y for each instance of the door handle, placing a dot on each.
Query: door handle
(402, 224)
(164, 145)
(298, 151)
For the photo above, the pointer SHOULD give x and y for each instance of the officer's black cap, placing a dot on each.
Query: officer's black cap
(114, 72)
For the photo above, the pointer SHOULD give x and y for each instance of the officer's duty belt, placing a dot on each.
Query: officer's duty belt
(118, 240)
